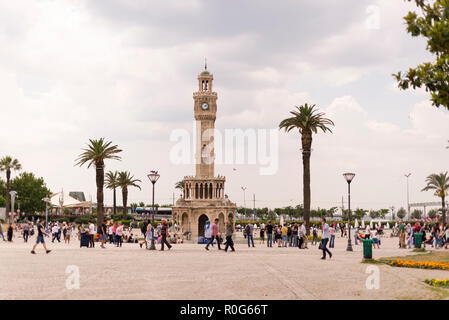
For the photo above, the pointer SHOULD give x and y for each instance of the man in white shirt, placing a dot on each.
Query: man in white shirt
(54, 231)
(91, 234)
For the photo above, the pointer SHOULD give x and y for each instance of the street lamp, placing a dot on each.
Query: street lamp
(47, 201)
(153, 176)
(13, 198)
(408, 201)
(349, 177)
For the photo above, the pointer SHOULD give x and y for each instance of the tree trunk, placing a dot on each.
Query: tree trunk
(100, 197)
(443, 208)
(125, 200)
(115, 202)
(306, 140)
(7, 197)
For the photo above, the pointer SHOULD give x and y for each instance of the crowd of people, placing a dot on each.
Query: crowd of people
(280, 235)
(436, 235)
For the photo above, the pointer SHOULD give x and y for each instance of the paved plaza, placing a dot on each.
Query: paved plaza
(188, 271)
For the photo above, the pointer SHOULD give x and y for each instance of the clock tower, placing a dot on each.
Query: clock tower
(205, 111)
(203, 198)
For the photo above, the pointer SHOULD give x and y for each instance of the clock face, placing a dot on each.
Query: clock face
(204, 106)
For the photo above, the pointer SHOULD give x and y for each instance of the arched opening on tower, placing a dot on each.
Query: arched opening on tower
(201, 223)
(185, 222)
(221, 222)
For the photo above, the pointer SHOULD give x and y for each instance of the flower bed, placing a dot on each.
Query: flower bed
(437, 282)
(419, 264)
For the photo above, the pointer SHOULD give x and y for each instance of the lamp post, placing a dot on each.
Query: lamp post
(349, 177)
(408, 200)
(153, 176)
(46, 200)
(244, 200)
(13, 198)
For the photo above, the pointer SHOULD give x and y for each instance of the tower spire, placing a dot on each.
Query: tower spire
(205, 64)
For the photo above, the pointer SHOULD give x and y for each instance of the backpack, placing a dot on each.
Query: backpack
(247, 229)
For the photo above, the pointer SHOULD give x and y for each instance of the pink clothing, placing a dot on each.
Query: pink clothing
(214, 229)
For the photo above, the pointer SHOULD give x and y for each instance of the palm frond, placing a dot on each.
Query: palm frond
(96, 152)
(306, 118)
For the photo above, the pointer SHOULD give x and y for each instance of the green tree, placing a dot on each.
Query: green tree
(31, 191)
(2, 201)
(180, 186)
(439, 183)
(359, 213)
(8, 164)
(417, 214)
(307, 121)
(431, 22)
(401, 213)
(126, 180)
(383, 213)
(432, 214)
(96, 153)
(141, 204)
(374, 214)
(112, 183)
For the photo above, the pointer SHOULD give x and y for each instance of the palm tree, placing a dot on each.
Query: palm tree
(439, 183)
(180, 185)
(96, 153)
(125, 180)
(307, 120)
(6, 165)
(112, 183)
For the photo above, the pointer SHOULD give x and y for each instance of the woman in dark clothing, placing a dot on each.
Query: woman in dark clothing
(10, 233)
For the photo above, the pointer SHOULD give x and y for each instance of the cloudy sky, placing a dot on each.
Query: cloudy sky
(126, 70)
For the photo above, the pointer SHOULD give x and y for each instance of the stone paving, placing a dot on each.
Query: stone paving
(188, 271)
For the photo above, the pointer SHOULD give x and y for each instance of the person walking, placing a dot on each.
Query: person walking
(295, 228)
(1, 231)
(208, 233)
(68, 233)
(143, 229)
(290, 235)
(91, 235)
(332, 236)
(269, 231)
(262, 233)
(401, 235)
(249, 234)
(214, 235)
(10, 233)
(148, 235)
(103, 235)
(229, 232)
(54, 232)
(279, 235)
(40, 237)
(64, 230)
(119, 234)
(314, 236)
(284, 233)
(325, 238)
(26, 231)
(165, 234)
